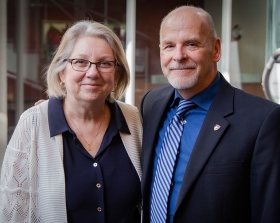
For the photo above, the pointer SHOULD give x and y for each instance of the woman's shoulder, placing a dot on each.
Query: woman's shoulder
(36, 111)
(28, 126)
(130, 112)
(126, 106)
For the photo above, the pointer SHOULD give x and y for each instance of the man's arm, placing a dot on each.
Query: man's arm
(265, 171)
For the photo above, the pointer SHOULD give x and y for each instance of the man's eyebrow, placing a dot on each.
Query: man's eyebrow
(164, 42)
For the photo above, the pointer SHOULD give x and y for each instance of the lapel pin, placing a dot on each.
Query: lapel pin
(217, 127)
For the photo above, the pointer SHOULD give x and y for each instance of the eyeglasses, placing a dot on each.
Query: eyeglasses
(84, 65)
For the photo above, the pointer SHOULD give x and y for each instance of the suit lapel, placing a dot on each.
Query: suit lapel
(211, 132)
(152, 124)
(155, 117)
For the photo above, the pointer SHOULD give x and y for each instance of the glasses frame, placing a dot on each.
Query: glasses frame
(90, 63)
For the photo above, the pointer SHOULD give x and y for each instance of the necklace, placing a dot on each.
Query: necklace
(88, 144)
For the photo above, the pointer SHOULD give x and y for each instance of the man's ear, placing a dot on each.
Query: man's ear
(217, 52)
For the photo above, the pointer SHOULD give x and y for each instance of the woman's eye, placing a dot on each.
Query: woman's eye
(105, 64)
(80, 62)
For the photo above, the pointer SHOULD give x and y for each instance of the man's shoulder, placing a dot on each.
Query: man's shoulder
(242, 98)
(160, 91)
(159, 94)
(253, 100)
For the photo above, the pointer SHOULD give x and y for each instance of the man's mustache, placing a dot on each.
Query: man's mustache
(182, 66)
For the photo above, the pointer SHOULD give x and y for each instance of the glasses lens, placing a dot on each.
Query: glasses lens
(106, 66)
(80, 65)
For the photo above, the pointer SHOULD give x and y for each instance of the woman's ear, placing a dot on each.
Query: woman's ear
(62, 76)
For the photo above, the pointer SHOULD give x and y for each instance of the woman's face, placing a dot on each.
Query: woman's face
(90, 85)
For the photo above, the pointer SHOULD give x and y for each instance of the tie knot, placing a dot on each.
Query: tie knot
(184, 106)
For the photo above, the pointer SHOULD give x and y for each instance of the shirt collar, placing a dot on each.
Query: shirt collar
(203, 99)
(58, 123)
(118, 117)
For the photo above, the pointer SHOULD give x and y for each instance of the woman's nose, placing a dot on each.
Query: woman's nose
(93, 71)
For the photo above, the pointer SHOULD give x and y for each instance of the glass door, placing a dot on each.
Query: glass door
(271, 75)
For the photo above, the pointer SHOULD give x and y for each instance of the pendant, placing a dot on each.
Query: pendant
(89, 149)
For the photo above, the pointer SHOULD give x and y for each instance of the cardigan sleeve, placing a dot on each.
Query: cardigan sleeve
(19, 178)
(133, 142)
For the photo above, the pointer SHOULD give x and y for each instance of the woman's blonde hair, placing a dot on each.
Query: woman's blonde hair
(80, 29)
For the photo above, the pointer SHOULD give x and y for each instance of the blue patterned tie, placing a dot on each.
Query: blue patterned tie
(166, 161)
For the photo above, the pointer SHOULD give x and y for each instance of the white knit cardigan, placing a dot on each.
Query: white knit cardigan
(32, 176)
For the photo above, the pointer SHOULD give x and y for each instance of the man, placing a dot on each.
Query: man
(228, 164)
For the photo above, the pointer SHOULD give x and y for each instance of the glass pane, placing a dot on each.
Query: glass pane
(149, 14)
(273, 43)
(35, 28)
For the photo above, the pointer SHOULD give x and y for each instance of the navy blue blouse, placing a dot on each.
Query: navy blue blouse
(103, 189)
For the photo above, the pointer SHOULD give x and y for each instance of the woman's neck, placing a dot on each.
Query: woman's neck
(84, 110)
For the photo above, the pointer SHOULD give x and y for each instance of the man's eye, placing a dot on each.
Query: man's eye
(168, 47)
(192, 44)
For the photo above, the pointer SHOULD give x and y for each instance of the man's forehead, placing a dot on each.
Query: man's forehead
(177, 27)
(184, 13)
(182, 30)
(182, 21)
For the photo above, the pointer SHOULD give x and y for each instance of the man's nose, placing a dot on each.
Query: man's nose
(179, 53)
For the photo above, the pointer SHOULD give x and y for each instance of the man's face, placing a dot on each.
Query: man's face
(188, 52)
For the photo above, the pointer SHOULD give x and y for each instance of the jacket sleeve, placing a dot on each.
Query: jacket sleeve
(18, 193)
(265, 171)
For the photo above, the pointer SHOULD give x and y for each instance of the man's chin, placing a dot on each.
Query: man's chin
(181, 83)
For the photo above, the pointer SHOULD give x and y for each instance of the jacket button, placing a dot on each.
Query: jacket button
(95, 164)
(98, 185)
(99, 209)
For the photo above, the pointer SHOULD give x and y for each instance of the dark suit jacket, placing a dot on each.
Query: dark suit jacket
(233, 174)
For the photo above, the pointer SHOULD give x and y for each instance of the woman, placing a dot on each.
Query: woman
(76, 156)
